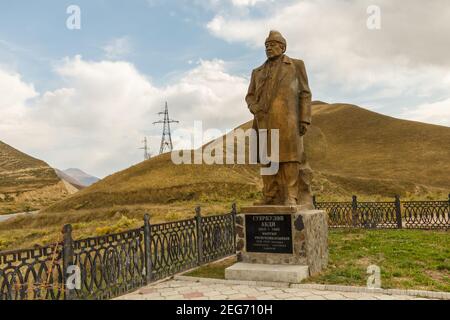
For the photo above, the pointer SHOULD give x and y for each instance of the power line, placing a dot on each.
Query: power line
(166, 140)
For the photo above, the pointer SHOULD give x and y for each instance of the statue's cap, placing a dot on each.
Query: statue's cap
(276, 36)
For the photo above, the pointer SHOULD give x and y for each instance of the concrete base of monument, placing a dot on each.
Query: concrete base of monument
(282, 235)
(267, 272)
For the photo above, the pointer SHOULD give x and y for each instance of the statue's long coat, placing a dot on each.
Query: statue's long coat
(284, 106)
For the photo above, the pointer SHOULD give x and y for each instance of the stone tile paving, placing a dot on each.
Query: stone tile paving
(192, 290)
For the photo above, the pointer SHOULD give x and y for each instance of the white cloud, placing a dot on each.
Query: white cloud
(437, 112)
(407, 59)
(14, 95)
(209, 94)
(117, 48)
(99, 115)
(409, 29)
(214, 96)
(13, 91)
(246, 3)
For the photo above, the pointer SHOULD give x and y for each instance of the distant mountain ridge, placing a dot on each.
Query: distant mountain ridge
(82, 177)
(62, 175)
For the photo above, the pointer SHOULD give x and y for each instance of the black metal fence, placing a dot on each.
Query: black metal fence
(111, 265)
(26, 274)
(387, 215)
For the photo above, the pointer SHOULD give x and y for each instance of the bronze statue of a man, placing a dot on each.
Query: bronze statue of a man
(279, 98)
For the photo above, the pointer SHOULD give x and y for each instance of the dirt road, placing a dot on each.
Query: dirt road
(13, 215)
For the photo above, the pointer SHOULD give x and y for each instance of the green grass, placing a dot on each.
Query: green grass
(409, 259)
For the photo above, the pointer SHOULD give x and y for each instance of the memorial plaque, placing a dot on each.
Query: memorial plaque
(268, 233)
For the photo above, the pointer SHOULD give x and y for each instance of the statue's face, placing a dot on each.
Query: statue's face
(274, 49)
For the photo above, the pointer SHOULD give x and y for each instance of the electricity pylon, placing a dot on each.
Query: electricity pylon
(147, 154)
(166, 140)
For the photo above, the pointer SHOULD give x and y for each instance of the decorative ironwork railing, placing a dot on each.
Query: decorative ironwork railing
(174, 247)
(339, 213)
(375, 215)
(387, 215)
(32, 274)
(426, 214)
(108, 266)
(218, 236)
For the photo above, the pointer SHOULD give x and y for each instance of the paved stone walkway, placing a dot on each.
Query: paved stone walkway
(192, 290)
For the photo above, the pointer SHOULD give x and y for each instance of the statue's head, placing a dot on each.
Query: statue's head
(275, 44)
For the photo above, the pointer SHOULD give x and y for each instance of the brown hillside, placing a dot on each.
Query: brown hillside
(26, 183)
(372, 153)
(352, 150)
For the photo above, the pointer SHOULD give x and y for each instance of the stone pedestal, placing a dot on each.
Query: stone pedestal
(270, 237)
(267, 272)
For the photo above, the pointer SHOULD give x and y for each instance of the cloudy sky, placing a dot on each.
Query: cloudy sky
(86, 97)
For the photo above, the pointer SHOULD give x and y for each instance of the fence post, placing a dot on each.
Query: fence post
(198, 218)
(69, 294)
(398, 211)
(354, 210)
(147, 248)
(314, 201)
(449, 206)
(233, 214)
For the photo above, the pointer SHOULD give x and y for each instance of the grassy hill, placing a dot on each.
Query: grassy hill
(27, 183)
(373, 154)
(351, 150)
